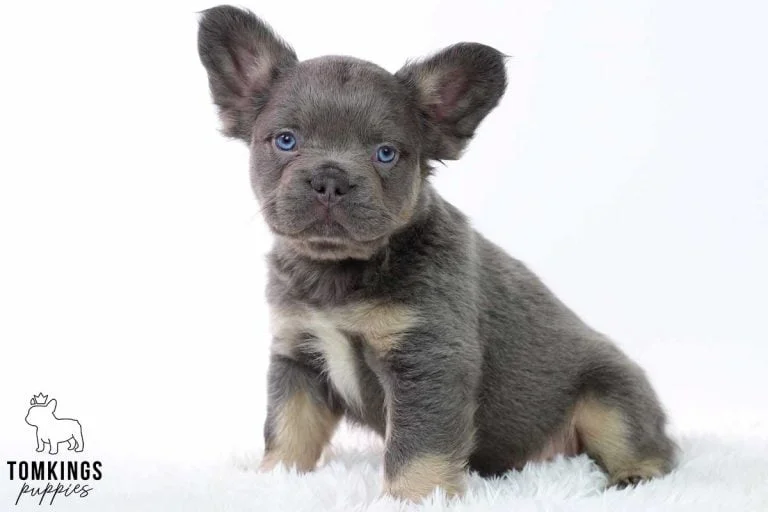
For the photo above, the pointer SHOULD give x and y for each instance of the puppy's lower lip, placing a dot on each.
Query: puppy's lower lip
(327, 227)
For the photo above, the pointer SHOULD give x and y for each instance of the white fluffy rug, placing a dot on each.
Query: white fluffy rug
(714, 474)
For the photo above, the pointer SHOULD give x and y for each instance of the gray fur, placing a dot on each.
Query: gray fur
(496, 362)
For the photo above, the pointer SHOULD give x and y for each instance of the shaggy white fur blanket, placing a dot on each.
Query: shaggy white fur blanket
(715, 473)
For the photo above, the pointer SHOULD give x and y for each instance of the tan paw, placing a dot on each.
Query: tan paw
(638, 473)
(272, 460)
(422, 476)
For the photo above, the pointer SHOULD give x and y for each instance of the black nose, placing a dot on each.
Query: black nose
(330, 184)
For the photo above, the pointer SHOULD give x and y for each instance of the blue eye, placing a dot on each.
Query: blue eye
(386, 154)
(285, 141)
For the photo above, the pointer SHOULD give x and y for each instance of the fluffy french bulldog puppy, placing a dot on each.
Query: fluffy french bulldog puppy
(388, 308)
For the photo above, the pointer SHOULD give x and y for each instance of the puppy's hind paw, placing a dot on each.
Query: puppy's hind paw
(639, 473)
(630, 481)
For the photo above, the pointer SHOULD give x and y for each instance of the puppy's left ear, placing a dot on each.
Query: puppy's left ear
(454, 90)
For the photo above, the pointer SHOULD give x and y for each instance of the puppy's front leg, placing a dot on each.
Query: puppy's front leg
(300, 418)
(430, 387)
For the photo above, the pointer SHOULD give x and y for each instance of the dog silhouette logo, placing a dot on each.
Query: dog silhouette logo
(53, 430)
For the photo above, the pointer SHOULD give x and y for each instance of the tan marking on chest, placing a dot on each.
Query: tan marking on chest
(379, 325)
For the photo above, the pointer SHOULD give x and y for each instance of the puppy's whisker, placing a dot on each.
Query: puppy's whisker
(260, 212)
(267, 204)
(379, 212)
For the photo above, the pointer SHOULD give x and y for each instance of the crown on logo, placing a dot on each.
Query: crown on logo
(38, 399)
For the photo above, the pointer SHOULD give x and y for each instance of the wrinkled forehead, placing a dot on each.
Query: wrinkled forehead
(336, 99)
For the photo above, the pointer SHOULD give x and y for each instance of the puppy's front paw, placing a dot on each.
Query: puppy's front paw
(268, 463)
(420, 477)
(272, 460)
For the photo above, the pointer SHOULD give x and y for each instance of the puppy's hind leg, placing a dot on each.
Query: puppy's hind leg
(621, 425)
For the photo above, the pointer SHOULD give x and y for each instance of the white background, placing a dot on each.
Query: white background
(627, 165)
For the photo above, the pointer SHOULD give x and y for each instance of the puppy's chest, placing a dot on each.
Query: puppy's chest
(333, 337)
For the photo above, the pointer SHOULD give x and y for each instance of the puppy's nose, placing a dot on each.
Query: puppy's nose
(330, 184)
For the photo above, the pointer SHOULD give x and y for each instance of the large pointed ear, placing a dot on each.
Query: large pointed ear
(454, 90)
(52, 405)
(243, 57)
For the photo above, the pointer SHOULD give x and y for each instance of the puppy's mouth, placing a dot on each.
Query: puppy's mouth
(327, 229)
(333, 224)
(326, 224)
(330, 232)
(327, 237)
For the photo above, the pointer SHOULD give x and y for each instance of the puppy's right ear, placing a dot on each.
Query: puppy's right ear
(243, 57)
(52, 405)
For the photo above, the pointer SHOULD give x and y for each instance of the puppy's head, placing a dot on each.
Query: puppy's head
(340, 147)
